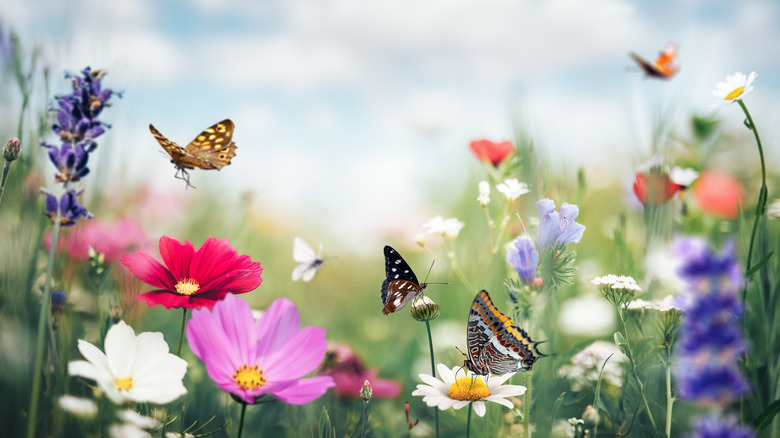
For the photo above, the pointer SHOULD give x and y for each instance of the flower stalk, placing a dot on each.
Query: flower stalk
(762, 195)
(433, 371)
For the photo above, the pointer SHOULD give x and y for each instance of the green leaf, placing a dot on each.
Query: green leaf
(641, 347)
(758, 265)
(325, 428)
(621, 342)
(766, 417)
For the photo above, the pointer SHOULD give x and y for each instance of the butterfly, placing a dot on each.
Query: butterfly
(401, 285)
(309, 261)
(495, 344)
(664, 67)
(211, 149)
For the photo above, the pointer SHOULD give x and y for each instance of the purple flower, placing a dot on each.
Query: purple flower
(718, 426)
(70, 210)
(77, 112)
(557, 228)
(710, 341)
(524, 257)
(71, 161)
(250, 359)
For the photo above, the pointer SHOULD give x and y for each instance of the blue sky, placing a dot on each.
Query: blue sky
(342, 106)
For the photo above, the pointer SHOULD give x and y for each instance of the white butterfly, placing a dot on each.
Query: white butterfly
(309, 261)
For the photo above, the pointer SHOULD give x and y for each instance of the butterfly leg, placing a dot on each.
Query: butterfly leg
(182, 174)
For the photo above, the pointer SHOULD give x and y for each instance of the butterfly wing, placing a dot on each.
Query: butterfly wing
(179, 156)
(495, 344)
(665, 65)
(214, 147)
(309, 261)
(401, 285)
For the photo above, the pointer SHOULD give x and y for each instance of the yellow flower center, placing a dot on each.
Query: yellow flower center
(468, 389)
(249, 377)
(124, 384)
(735, 94)
(187, 286)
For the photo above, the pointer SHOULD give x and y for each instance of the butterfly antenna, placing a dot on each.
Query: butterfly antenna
(429, 272)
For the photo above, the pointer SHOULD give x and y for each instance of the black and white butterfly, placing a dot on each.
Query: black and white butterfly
(308, 259)
(401, 285)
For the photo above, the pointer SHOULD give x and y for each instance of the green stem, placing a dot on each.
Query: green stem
(527, 403)
(6, 169)
(433, 370)
(181, 333)
(241, 421)
(456, 267)
(468, 421)
(633, 368)
(365, 417)
(762, 196)
(43, 319)
(669, 397)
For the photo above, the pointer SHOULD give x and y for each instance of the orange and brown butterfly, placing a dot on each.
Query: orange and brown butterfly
(211, 149)
(664, 67)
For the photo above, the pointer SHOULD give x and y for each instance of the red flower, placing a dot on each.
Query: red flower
(718, 194)
(194, 279)
(349, 373)
(654, 188)
(495, 153)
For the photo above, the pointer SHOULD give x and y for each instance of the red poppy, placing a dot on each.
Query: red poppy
(654, 188)
(194, 279)
(718, 194)
(495, 153)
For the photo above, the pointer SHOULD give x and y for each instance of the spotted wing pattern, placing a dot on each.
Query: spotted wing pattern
(664, 67)
(495, 344)
(211, 149)
(401, 285)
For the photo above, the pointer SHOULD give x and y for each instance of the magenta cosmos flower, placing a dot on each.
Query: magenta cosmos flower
(250, 359)
(194, 279)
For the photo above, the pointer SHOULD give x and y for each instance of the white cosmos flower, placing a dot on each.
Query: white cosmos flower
(452, 392)
(736, 87)
(512, 188)
(446, 227)
(137, 369)
(80, 407)
(484, 193)
(127, 431)
(130, 416)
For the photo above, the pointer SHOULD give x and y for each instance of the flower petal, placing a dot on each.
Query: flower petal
(149, 270)
(305, 390)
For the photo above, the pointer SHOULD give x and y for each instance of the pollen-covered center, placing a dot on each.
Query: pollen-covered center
(124, 384)
(735, 93)
(468, 389)
(187, 286)
(248, 377)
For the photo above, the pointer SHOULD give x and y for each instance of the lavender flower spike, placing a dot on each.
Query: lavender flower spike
(70, 210)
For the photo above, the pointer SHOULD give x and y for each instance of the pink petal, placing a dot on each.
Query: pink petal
(177, 257)
(300, 355)
(278, 324)
(163, 298)
(305, 391)
(149, 270)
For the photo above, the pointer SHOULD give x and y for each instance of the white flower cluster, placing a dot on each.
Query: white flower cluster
(615, 282)
(585, 366)
(669, 302)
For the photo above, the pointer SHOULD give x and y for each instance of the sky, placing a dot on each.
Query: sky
(345, 108)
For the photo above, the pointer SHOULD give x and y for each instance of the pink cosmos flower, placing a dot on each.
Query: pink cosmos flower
(250, 359)
(349, 373)
(194, 279)
(110, 239)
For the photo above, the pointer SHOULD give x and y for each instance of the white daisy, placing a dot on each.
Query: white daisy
(512, 188)
(484, 193)
(137, 369)
(80, 407)
(446, 227)
(736, 87)
(457, 392)
(774, 210)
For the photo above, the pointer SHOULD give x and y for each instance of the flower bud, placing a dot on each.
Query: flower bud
(12, 149)
(425, 309)
(366, 392)
(590, 416)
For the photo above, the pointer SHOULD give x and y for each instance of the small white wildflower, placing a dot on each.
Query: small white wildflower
(130, 416)
(736, 87)
(80, 407)
(446, 227)
(585, 366)
(774, 210)
(512, 188)
(683, 177)
(484, 193)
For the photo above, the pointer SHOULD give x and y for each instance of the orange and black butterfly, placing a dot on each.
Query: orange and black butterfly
(664, 67)
(211, 149)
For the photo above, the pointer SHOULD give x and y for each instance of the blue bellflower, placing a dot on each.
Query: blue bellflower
(710, 342)
(524, 257)
(557, 228)
(70, 210)
(716, 426)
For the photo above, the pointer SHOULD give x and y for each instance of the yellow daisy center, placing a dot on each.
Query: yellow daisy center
(124, 384)
(187, 286)
(248, 377)
(735, 93)
(468, 389)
